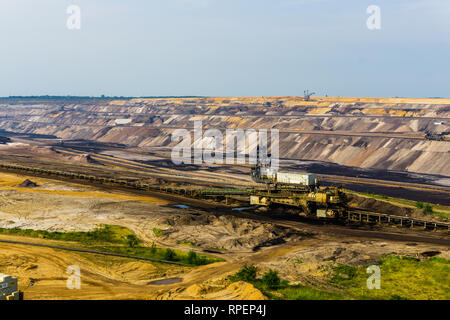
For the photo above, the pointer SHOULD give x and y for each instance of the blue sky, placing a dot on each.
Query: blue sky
(225, 48)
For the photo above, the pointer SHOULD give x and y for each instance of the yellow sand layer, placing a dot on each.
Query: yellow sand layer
(9, 182)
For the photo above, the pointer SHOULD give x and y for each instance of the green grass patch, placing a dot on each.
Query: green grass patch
(401, 278)
(186, 243)
(104, 233)
(299, 292)
(373, 195)
(443, 215)
(343, 272)
(418, 205)
(158, 232)
(426, 207)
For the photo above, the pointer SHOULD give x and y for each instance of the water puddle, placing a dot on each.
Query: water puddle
(181, 206)
(242, 208)
(166, 281)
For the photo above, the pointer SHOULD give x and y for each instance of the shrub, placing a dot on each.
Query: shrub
(132, 240)
(271, 279)
(343, 272)
(201, 261)
(427, 208)
(192, 257)
(247, 273)
(419, 205)
(169, 255)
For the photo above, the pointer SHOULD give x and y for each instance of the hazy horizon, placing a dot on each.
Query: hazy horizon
(190, 96)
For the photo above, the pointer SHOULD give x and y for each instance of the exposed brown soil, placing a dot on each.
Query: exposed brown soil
(228, 233)
(238, 240)
(45, 152)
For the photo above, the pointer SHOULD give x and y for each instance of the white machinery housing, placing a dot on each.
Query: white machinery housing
(306, 179)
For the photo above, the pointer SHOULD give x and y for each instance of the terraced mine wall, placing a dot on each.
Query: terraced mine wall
(381, 133)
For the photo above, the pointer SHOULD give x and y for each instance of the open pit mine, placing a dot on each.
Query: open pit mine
(91, 183)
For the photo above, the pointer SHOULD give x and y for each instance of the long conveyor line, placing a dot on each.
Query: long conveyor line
(360, 216)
